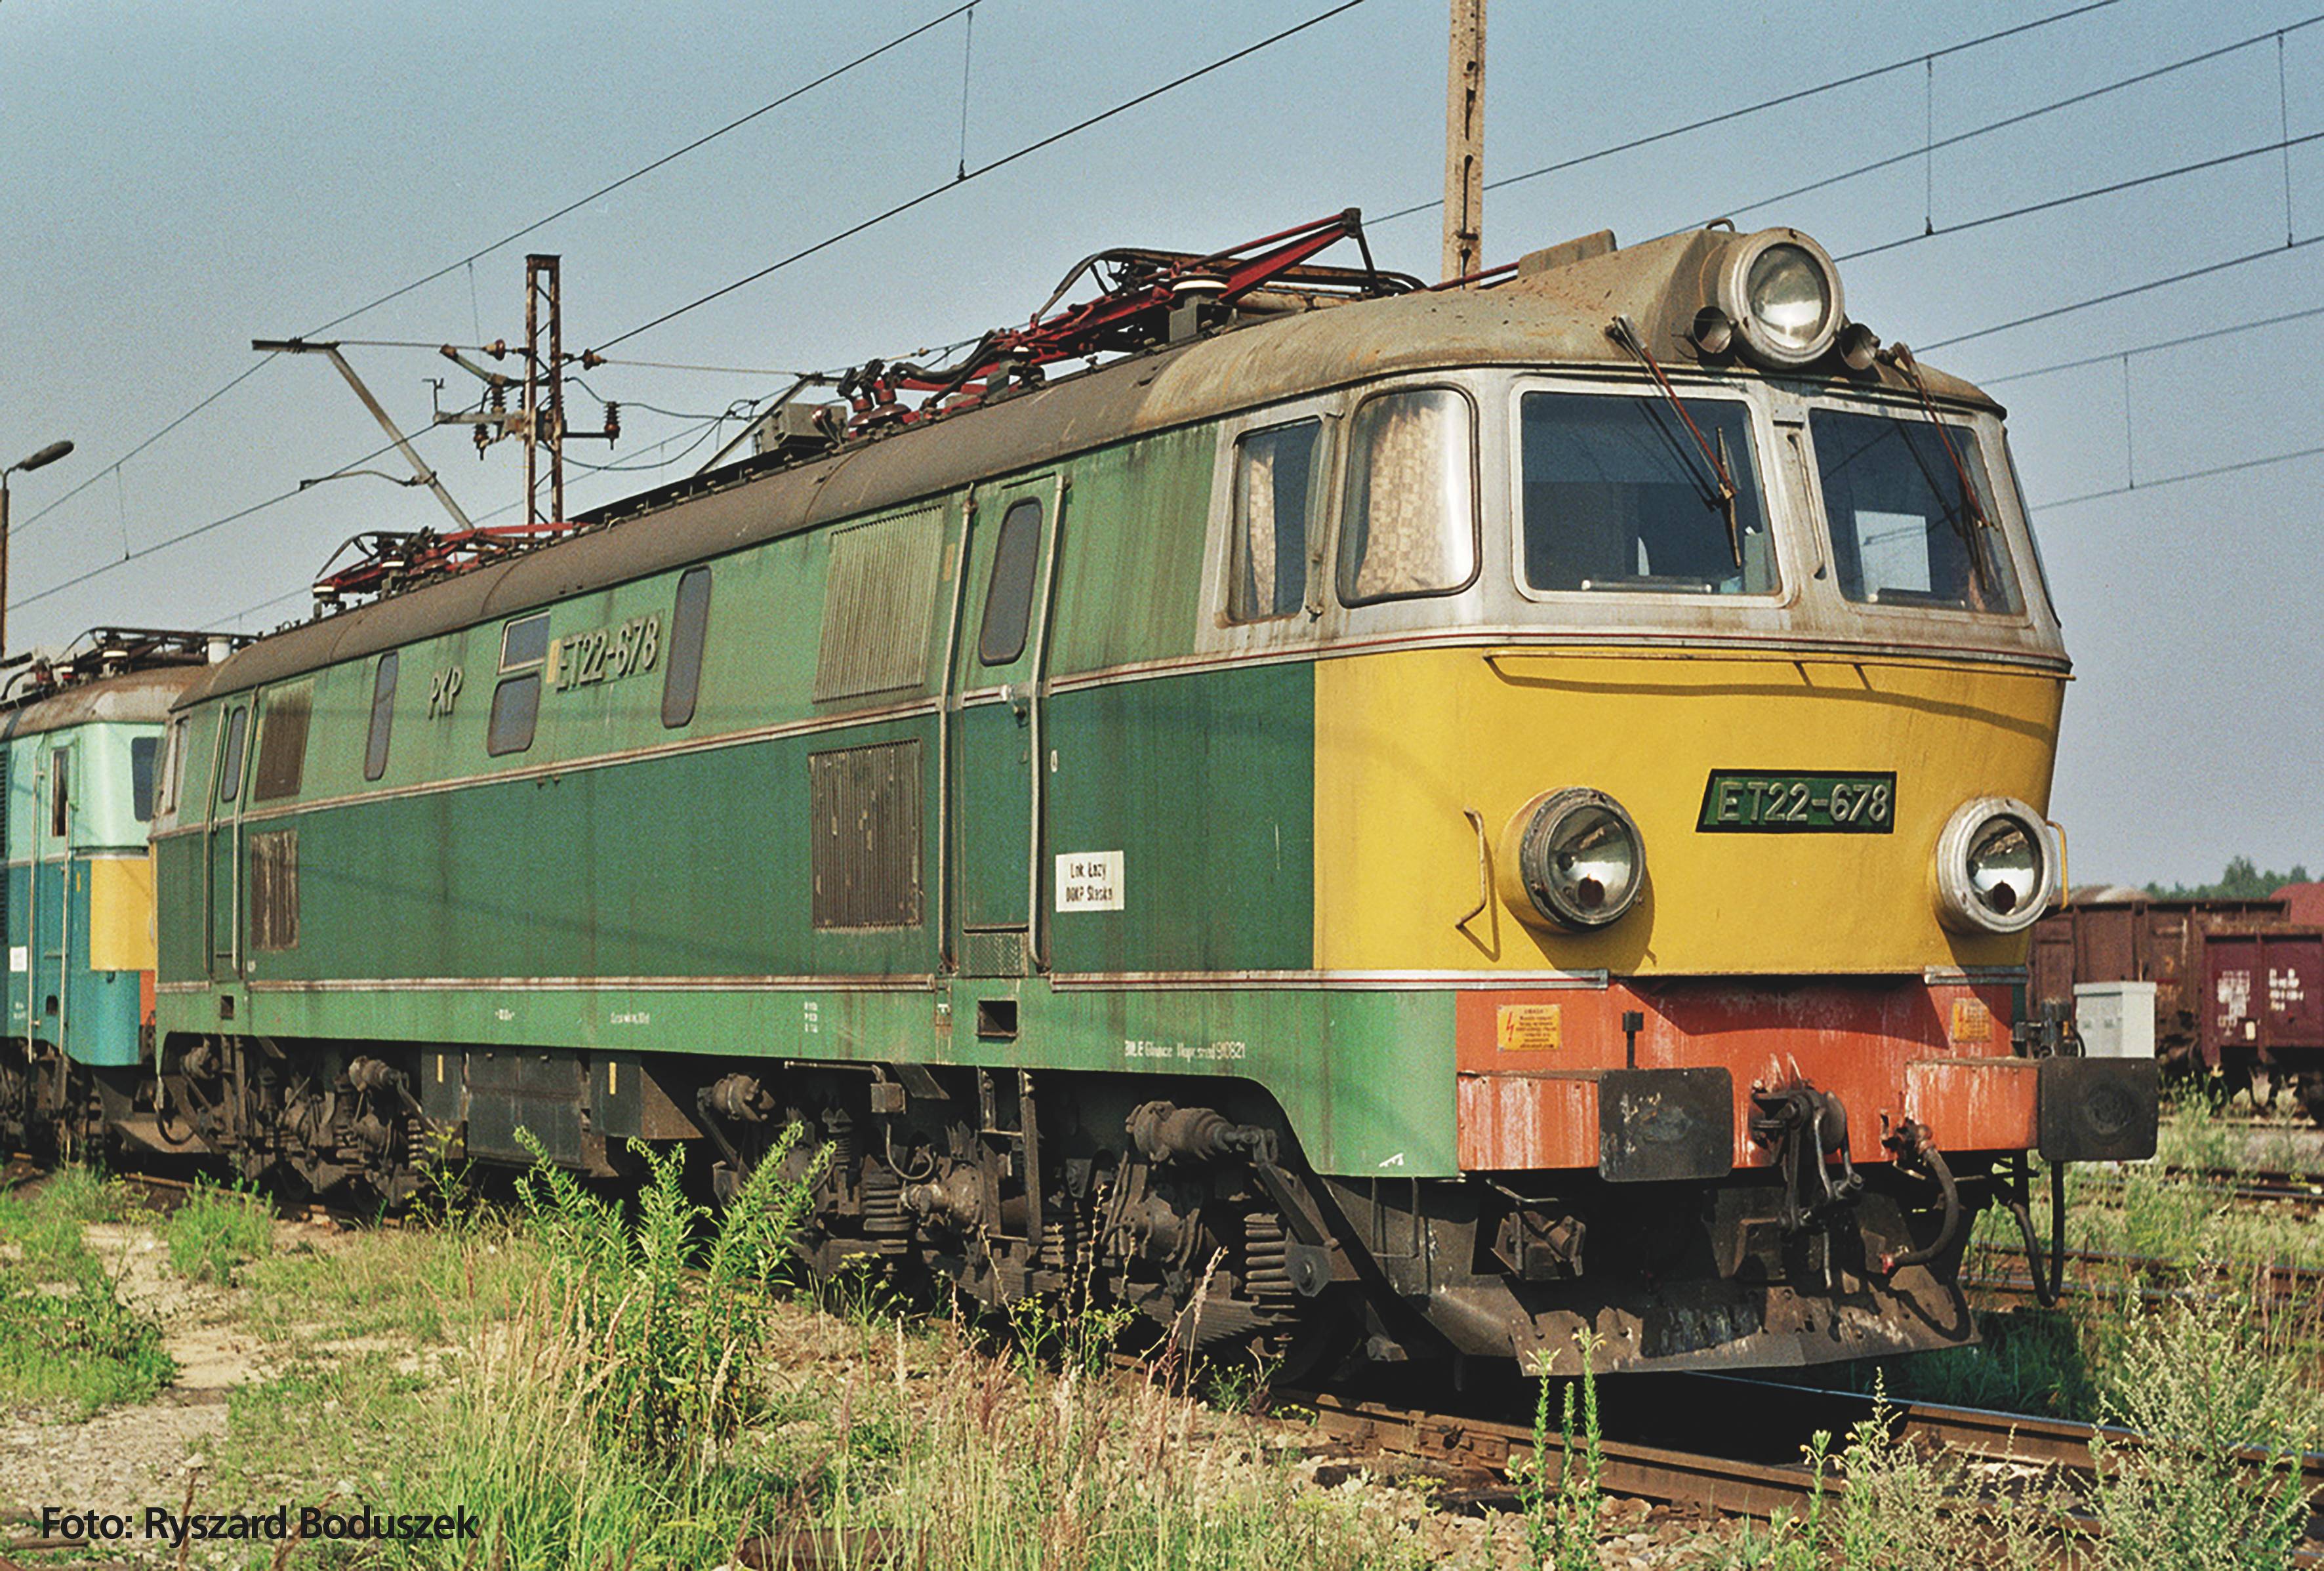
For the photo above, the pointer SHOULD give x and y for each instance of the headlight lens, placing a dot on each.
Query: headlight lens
(1788, 298)
(1781, 291)
(1997, 867)
(1577, 858)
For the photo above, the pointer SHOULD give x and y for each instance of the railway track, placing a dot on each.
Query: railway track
(2110, 1274)
(1654, 1423)
(2302, 1192)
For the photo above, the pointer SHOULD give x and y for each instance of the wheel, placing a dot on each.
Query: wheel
(2310, 1090)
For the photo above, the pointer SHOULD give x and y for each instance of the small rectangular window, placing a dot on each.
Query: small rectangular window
(142, 750)
(173, 766)
(516, 706)
(524, 642)
(1009, 596)
(1271, 482)
(282, 743)
(1411, 514)
(60, 791)
(689, 625)
(383, 717)
(230, 766)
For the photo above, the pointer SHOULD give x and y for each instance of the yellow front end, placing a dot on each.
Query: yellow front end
(1408, 744)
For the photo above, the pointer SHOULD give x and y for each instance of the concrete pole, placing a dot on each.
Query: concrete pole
(1464, 142)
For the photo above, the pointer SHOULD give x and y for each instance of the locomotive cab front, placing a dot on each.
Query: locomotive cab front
(1687, 705)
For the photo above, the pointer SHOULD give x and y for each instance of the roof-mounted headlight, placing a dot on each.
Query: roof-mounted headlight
(1782, 292)
(1997, 867)
(1572, 858)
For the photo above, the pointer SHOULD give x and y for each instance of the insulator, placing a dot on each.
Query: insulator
(612, 421)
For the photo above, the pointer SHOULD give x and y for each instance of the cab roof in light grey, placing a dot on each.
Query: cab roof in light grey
(138, 697)
(1554, 317)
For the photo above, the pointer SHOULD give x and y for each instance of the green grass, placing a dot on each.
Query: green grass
(67, 1340)
(643, 1385)
(218, 1230)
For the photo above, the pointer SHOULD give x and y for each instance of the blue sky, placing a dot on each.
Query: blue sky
(176, 181)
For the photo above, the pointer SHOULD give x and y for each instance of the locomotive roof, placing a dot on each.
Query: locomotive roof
(1556, 316)
(144, 696)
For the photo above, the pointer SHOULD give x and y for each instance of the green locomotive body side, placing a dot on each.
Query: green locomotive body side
(624, 886)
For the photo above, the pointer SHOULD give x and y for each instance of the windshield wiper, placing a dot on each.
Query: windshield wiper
(1900, 357)
(1626, 333)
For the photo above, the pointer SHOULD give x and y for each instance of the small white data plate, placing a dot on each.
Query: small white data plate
(1088, 881)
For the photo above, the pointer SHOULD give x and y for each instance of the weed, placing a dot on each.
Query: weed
(65, 1334)
(2196, 1392)
(218, 1230)
(666, 1349)
(1562, 1521)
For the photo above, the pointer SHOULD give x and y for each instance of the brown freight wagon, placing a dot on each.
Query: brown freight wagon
(2238, 987)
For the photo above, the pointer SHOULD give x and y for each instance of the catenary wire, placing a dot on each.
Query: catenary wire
(2019, 118)
(2112, 355)
(202, 529)
(510, 238)
(2136, 289)
(2083, 196)
(2216, 469)
(1796, 96)
(984, 169)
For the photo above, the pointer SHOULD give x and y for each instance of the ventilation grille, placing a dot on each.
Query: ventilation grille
(274, 890)
(878, 603)
(865, 818)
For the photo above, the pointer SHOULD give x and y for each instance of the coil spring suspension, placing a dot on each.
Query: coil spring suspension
(1266, 1275)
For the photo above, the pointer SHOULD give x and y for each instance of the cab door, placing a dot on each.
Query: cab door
(995, 811)
(222, 844)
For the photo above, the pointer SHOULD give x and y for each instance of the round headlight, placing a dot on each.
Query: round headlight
(1997, 867)
(1781, 291)
(1576, 858)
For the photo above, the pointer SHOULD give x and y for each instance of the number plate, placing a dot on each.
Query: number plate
(1783, 802)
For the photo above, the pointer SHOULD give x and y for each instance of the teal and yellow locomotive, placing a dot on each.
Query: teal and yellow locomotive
(1414, 819)
(81, 737)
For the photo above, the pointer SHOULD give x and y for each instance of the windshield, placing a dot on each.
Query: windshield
(1619, 494)
(1902, 531)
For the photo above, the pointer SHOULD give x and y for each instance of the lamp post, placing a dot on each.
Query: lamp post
(48, 455)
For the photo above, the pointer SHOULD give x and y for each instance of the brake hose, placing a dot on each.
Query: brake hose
(1916, 1146)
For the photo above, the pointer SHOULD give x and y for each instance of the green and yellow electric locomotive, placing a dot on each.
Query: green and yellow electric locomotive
(1417, 819)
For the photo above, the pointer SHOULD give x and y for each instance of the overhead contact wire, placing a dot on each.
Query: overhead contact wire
(1777, 102)
(2183, 339)
(2073, 197)
(2176, 479)
(984, 169)
(514, 236)
(2136, 289)
(198, 530)
(2020, 119)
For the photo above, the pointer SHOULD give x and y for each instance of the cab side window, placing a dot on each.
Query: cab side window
(1411, 515)
(237, 727)
(1273, 475)
(1009, 597)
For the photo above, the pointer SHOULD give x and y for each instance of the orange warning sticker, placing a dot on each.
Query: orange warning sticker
(1529, 1028)
(1972, 1021)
